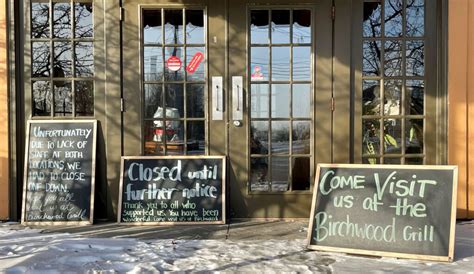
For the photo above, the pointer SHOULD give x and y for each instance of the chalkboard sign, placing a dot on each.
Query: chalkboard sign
(59, 171)
(385, 210)
(172, 190)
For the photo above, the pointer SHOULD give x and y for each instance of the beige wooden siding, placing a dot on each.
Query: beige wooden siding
(4, 182)
(461, 100)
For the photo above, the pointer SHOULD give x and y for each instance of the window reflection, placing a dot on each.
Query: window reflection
(62, 20)
(84, 98)
(415, 58)
(393, 18)
(84, 59)
(62, 98)
(393, 58)
(371, 58)
(62, 62)
(39, 20)
(41, 98)
(83, 20)
(370, 97)
(372, 24)
(415, 19)
(173, 26)
(40, 61)
(415, 90)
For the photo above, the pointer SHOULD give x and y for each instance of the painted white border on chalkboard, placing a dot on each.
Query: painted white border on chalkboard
(122, 163)
(25, 173)
(452, 230)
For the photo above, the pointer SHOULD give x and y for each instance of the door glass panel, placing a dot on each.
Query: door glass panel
(174, 82)
(393, 82)
(280, 73)
(174, 26)
(301, 26)
(259, 30)
(280, 26)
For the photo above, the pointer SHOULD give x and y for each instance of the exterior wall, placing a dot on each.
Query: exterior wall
(4, 159)
(461, 100)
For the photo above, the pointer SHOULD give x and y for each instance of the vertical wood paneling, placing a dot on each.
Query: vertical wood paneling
(4, 170)
(459, 71)
(470, 118)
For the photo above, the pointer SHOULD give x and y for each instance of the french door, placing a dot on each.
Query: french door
(248, 80)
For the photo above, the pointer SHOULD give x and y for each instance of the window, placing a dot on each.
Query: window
(174, 81)
(280, 73)
(62, 58)
(393, 82)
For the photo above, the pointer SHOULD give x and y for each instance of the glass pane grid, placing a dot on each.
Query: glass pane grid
(175, 114)
(393, 94)
(62, 54)
(278, 146)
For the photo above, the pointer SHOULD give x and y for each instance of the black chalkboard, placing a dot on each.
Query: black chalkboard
(59, 173)
(381, 210)
(172, 189)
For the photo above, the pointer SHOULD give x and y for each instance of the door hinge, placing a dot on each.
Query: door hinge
(333, 104)
(121, 13)
(333, 12)
(122, 105)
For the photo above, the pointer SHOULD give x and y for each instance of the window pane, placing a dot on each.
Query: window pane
(372, 19)
(153, 139)
(194, 27)
(392, 97)
(62, 98)
(174, 27)
(301, 137)
(259, 63)
(393, 18)
(392, 136)
(84, 98)
(153, 63)
(370, 97)
(83, 16)
(175, 135)
(152, 27)
(371, 58)
(259, 100)
(39, 20)
(40, 60)
(280, 100)
(280, 26)
(301, 26)
(174, 99)
(280, 173)
(259, 137)
(259, 174)
(153, 101)
(195, 57)
(371, 161)
(415, 90)
(391, 161)
(371, 138)
(415, 58)
(280, 63)
(259, 27)
(84, 59)
(301, 173)
(195, 101)
(174, 70)
(415, 18)
(196, 138)
(414, 161)
(414, 136)
(62, 20)
(41, 98)
(280, 137)
(301, 63)
(393, 58)
(62, 63)
(301, 101)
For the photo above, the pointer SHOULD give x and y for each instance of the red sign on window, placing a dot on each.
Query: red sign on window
(194, 63)
(173, 63)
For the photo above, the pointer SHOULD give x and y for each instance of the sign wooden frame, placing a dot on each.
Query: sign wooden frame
(25, 174)
(223, 208)
(448, 258)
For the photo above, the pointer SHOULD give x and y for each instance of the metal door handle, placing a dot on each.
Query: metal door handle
(217, 98)
(237, 98)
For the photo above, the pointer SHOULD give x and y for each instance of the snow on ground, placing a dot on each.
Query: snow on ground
(29, 250)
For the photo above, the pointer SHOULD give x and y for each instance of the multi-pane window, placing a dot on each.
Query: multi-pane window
(393, 71)
(174, 81)
(62, 58)
(280, 73)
